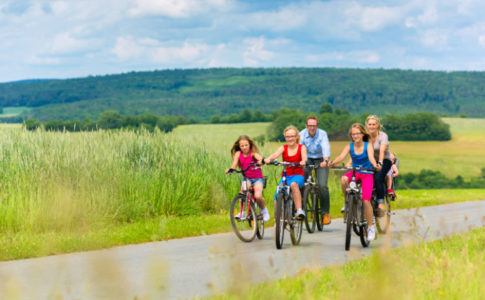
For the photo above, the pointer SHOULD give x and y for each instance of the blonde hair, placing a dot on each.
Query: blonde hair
(362, 130)
(292, 127)
(377, 119)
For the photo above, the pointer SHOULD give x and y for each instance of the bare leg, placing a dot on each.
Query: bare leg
(295, 191)
(368, 212)
(258, 195)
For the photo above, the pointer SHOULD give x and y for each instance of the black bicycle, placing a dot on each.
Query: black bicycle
(383, 216)
(311, 203)
(245, 214)
(285, 210)
(354, 210)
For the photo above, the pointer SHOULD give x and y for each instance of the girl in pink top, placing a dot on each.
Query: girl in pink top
(244, 152)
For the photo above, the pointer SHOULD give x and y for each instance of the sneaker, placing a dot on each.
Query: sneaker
(326, 219)
(371, 233)
(300, 214)
(342, 210)
(240, 216)
(265, 213)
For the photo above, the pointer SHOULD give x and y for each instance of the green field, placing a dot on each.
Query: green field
(464, 155)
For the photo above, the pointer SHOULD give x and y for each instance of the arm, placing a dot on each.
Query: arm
(395, 171)
(235, 160)
(384, 144)
(370, 154)
(303, 155)
(258, 157)
(273, 156)
(325, 150)
(341, 157)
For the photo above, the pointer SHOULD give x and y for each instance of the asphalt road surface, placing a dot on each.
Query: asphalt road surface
(206, 265)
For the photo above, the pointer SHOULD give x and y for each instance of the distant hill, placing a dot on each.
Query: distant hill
(202, 93)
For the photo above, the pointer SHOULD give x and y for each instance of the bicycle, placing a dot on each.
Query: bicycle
(383, 217)
(284, 210)
(311, 203)
(354, 211)
(245, 214)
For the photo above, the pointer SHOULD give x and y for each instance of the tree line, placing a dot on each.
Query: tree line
(336, 122)
(429, 179)
(110, 120)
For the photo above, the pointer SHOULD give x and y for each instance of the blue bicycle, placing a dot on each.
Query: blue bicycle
(285, 210)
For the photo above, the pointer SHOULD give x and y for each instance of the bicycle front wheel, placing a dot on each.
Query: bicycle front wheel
(296, 225)
(383, 222)
(243, 219)
(309, 207)
(280, 221)
(318, 209)
(349, 219)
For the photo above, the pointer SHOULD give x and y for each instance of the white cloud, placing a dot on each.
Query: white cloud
(37, 60)
(255, 52)
(130, 48)
(176, 8)
(360, 57)
(369, 18)
(186, 53)
(434, 39)
(66, 42)
(287, 18)
(481, 40)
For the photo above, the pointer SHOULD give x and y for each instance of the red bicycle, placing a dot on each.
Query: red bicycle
(245, 214)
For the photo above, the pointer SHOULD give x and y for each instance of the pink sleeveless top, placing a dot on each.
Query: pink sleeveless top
(244, 162)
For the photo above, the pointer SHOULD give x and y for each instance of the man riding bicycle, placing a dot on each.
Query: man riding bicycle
(318, 152)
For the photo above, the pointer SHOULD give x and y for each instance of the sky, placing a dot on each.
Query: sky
(77, 38)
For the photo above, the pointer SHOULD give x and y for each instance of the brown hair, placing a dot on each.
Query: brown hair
(361, 129)
(252, 145)
(292, 127)
(311, 117)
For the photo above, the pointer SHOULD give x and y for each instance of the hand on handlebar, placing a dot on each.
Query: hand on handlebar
(230, 171)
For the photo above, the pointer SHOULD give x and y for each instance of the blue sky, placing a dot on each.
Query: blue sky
(64, 39)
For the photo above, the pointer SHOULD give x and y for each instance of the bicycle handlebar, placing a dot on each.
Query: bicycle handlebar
(284, 163)
(352, 168)
(253, 164)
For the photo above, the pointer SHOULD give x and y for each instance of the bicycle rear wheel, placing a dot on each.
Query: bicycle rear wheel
(280, 220)
(318, 209)
(349, 220)
(243, 219)
(259, 221)
(308, 206)
(296, 226)
(383, 222)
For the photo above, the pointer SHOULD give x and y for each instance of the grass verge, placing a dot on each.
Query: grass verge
(451, 268)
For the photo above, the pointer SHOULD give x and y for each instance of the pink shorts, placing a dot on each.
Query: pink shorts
(366, 182)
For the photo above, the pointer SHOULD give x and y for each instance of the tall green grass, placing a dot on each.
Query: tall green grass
(64, 181)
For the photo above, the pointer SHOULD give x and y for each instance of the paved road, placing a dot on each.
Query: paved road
(205, 265)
